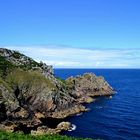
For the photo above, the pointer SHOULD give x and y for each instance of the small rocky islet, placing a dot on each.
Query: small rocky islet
(33, 100)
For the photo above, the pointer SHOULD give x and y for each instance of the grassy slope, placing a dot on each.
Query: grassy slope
(17, 136)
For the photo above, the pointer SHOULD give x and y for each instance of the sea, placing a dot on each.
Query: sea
(116, 118)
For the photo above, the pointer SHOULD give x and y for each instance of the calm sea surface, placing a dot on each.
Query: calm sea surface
(110, 119)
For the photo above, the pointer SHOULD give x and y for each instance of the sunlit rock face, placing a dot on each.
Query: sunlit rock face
(30, 94)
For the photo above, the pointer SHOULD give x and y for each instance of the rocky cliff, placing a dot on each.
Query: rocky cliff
(30, 94)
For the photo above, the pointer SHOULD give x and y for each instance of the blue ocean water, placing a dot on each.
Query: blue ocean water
(117, 118)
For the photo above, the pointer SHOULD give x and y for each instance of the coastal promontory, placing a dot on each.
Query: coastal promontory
(33, 100)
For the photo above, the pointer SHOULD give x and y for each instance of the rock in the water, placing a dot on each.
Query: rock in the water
(63, 126)
(30, 93)
(89, 85)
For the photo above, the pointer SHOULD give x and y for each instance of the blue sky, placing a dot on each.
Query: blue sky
(74, 33)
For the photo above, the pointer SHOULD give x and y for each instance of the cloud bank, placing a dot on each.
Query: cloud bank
(68, 57)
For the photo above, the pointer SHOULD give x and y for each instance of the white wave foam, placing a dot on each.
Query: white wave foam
(79, 114)
(99, 107)
(73, 127)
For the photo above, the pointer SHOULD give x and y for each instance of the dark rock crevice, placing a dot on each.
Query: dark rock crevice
(3, 111)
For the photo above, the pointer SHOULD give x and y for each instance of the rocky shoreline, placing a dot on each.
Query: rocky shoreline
(30, 94)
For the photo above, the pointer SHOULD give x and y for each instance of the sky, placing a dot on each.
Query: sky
(73, 33)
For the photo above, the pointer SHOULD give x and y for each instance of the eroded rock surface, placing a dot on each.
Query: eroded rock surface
(84, 87)
(30, 94)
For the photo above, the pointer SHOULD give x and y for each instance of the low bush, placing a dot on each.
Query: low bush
(18, 136)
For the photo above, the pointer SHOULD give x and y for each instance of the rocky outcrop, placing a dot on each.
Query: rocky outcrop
(63, 126)
(87, 86)
(30, 94)
(21, 60)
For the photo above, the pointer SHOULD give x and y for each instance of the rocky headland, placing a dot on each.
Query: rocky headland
(34, 101)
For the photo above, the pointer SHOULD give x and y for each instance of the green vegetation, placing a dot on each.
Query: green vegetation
(18, 136)
(28, 66)
(22, 76)
(16, 55)
(30, 78)
(5, 67)
(3, 83)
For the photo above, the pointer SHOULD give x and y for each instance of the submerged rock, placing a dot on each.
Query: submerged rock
(30, 93)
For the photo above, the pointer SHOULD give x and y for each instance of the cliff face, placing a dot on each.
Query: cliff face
(30, 93)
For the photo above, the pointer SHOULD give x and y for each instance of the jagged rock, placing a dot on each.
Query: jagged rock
(23, 61)
(30, 93)
(8, 128)
(40, 131)
(63, 126)
(39, 115)
(8, 97)
(22, 113)
(3, 115)
(86, 99)
(69, 112)
(89, 85)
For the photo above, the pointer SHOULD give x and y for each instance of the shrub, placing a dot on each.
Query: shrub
(18, 136)
(28, 81)
(16, 55)
(5, 67)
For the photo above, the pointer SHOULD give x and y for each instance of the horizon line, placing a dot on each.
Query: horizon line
(92, 68)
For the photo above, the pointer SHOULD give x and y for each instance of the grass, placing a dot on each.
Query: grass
(29, 83)
(29, 78)
(20, 136)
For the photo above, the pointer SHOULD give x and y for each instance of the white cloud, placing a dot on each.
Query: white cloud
(59, 56)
